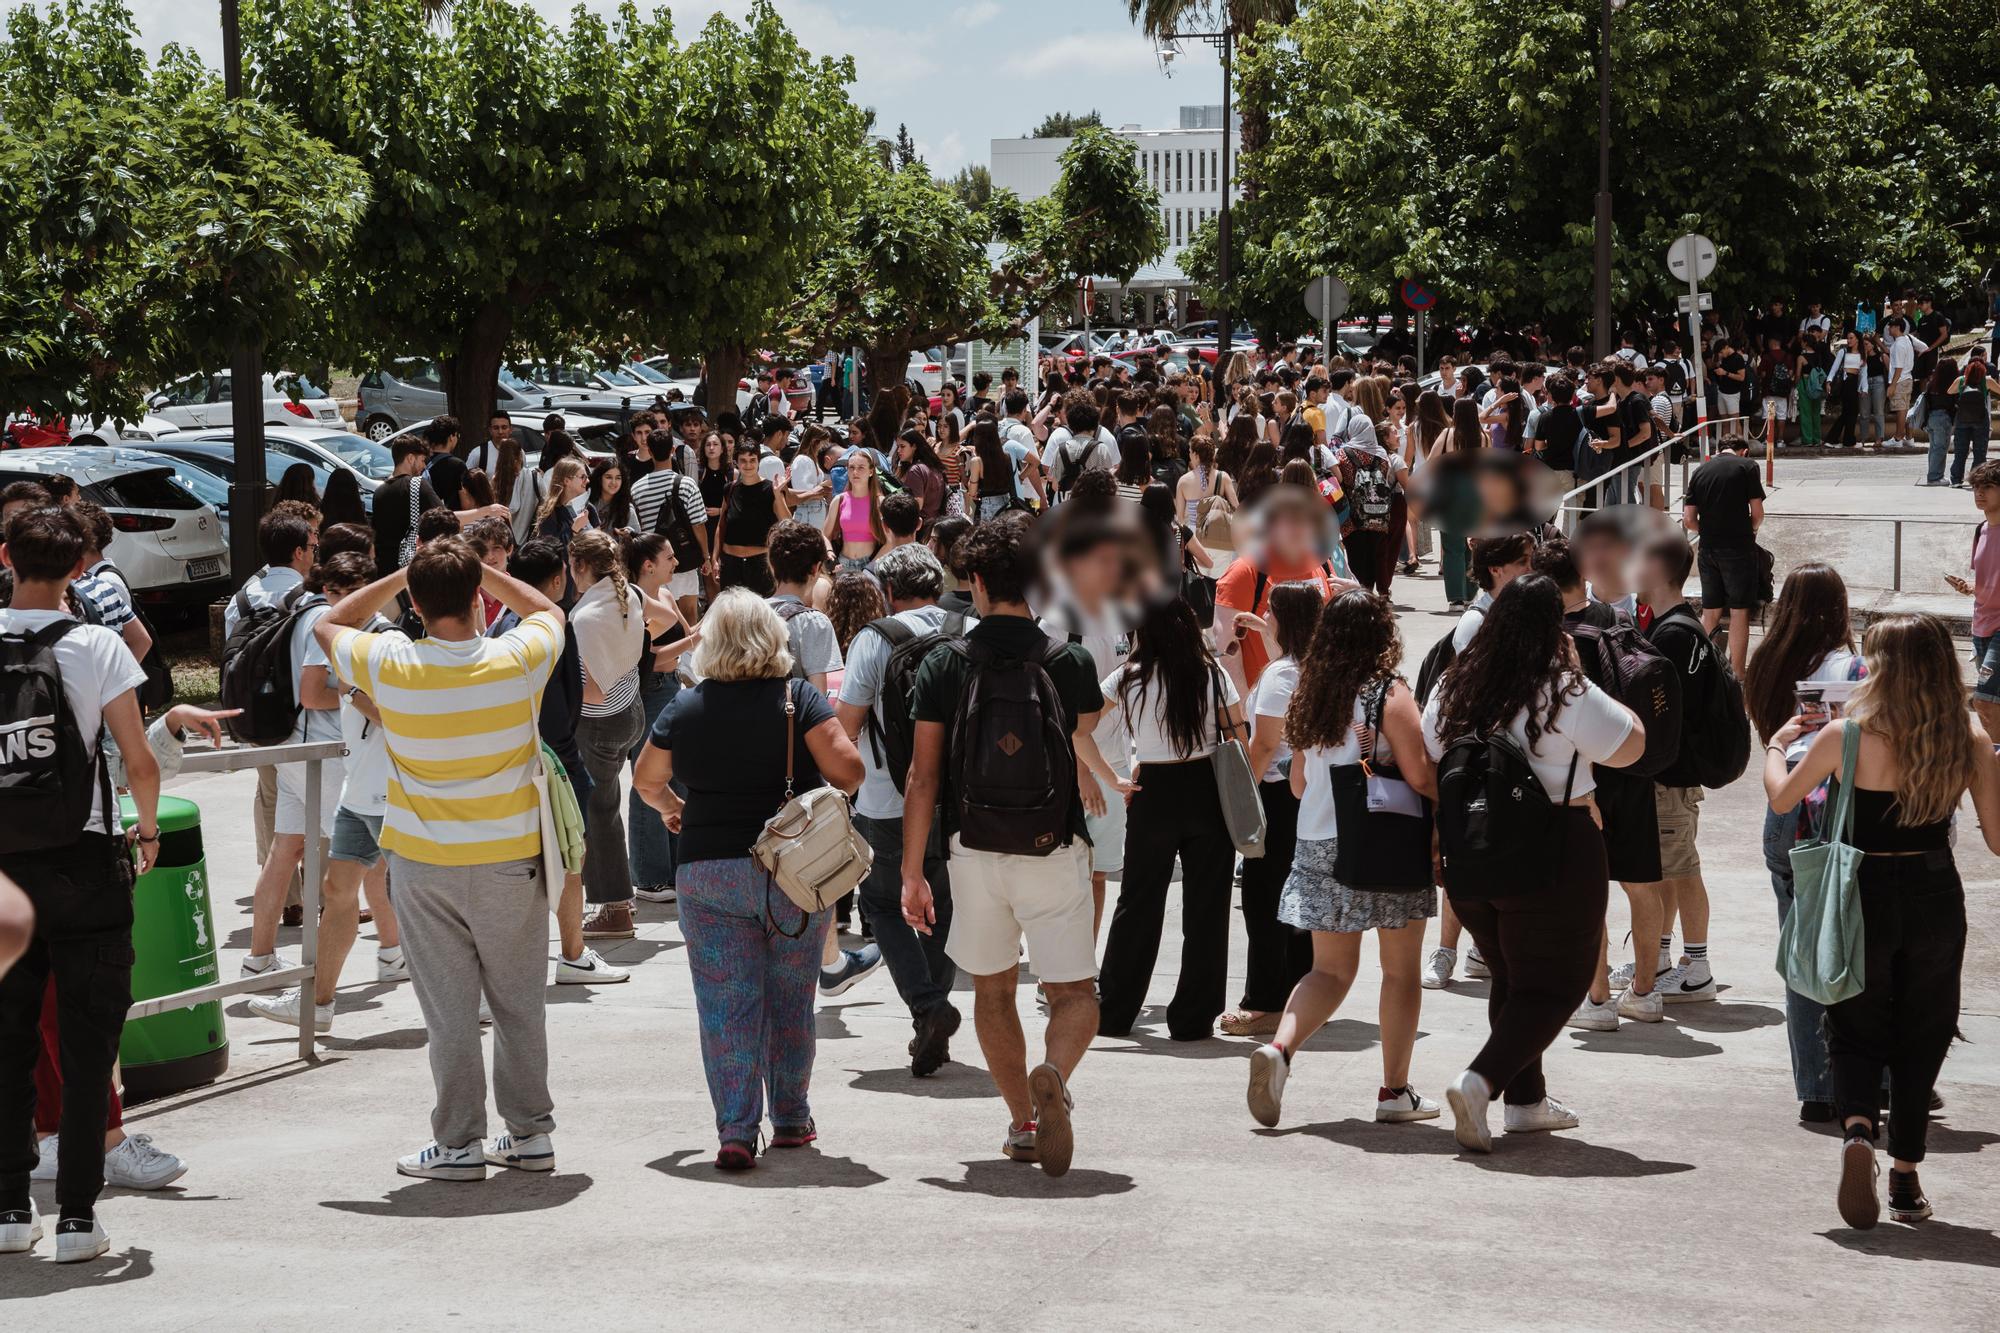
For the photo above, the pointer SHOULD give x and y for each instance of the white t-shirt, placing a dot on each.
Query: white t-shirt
(96, 668)
(1629, 603)
(867, 659)
(315, 724)
(1588, 727)
(1101, 453)
(770, 467)
(1902, 356)
(1140, 731)
(806, 475)
(1271, 697)
(1107, 637)
(1316, 817)
(365, 772)
(1469, 623)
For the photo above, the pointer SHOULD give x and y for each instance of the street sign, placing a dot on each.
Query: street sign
(1020, 354)
(1691, 258)
(1701, 301)
(1326, 298)
(1417, 296)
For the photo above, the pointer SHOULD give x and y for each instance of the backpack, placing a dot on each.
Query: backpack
(788, 612)
(1715, 730)
(1013, 773)
(891, 730)
(1624, 664)
(672, 523)
(46, 768)
(1813, 387)
(1372, 494)
(1496, 825)
(258, 674)
(1072, 467)
(158, 691)
(1436, 662)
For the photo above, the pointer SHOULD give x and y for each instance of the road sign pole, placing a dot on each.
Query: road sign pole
(1700, 370)
(1420, 348)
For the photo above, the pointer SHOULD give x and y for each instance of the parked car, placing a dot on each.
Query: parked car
(412, 389)
(147, 428)
(594, 435)
(217, 457)
(169, 545)
(927, 370)
(205, 400)
(326, 451)
(1076, 345)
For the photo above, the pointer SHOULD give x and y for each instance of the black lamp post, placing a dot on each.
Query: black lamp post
(1600, 334)
(246, 375)
(1225, 43)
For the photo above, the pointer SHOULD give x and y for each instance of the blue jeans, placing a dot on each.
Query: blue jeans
(1812, 1070)
(917, 963)
(1938, 425)
(649, 846)
(1966, 439)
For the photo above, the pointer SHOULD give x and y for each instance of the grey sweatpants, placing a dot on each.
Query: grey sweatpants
(468, 929)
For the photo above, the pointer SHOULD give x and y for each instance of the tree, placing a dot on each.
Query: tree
(905, 149)
(974, 186)
(143, 215)
(1160, 19)
(1064, 124)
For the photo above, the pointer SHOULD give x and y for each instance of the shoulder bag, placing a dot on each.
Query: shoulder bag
(1820, 944)
(809, 848)
(1384, 826)
(1236, 786)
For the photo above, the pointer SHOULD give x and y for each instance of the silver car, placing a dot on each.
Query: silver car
(412, 389)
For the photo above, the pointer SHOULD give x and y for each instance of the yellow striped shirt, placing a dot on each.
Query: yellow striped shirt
(458, 719)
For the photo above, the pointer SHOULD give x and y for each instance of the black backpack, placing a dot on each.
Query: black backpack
(672, 523)
(1626, 665)
(258, 671)
(158, 691)
(1715, 730)
(891, 730)
(47, 772)
(1496, 825)
(1372, 497)
(1436, 662)
(1013, 773)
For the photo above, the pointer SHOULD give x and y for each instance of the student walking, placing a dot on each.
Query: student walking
(1909, 752)
(614, 623)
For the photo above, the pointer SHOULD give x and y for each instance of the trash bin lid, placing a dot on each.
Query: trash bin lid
(176, 815)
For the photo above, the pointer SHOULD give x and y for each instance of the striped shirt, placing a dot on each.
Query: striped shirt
(459, 723)
(650, 493)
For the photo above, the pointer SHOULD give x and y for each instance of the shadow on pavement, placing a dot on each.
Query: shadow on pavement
(501, 1193)
(1717, 1017)
(1666, 1039)
(1554, 1155)
(789, 1168)
(951, 1083)
(395, 1039)
(630, 953)
(830, 1022)
(1002, 1179)
(44, 1277)
(1941, 1242)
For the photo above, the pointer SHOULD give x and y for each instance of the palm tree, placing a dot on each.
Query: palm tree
(1160, 18)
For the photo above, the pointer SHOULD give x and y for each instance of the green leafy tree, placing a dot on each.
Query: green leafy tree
(1065, 124)
(905, 149)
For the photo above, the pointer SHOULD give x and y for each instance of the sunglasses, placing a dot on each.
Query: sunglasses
(1230, 649)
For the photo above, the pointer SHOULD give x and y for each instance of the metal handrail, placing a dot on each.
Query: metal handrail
(1596, 484)
(1896, 565)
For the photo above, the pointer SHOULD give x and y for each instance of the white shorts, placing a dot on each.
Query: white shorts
(291, 814)
(997, 899)
(685, 583)
(1107, 833)
(1654, 473)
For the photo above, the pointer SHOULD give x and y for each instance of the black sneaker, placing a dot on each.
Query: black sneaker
(1906, 1197)
(1816, 1113)
(931, 1048)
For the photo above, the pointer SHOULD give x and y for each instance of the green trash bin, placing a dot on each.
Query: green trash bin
(173, 938)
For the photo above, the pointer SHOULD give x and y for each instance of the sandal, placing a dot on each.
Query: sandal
(1248, 1023)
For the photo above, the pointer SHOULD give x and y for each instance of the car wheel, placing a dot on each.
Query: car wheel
(378, 428)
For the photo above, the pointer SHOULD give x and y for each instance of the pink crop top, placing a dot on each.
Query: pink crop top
(855, 511)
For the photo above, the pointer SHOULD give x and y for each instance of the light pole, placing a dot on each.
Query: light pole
(1600, 334)
(1225, 43)
(246, 372)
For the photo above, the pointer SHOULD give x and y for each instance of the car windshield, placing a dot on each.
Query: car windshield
(619, 377)
(639, 370)
(509, 380)
(297, 387)
(207, 487)
(154, 488)
(364, 455)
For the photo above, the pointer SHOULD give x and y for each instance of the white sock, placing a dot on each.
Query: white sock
(393, 954)
(260, 958)
(1447, 949)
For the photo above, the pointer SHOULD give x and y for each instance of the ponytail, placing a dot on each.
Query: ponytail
(598, 555)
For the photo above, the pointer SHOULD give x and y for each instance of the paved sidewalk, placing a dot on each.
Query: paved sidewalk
(1689, 1196)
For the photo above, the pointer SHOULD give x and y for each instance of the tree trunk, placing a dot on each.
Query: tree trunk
(472, 377)
(722, 367)
(888, 386)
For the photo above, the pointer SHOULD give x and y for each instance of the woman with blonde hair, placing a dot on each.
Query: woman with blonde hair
(738, 743)
(1914, 752)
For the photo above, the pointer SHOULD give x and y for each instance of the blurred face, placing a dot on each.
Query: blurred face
(1289, 535)
(1095, 575)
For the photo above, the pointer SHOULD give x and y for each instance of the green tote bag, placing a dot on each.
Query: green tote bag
(1820, 945)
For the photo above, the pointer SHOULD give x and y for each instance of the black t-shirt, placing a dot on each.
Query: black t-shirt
(727, 738)
(391, 519)
(1682, 641)
(1721, 491)
(1635, 420)
(446, 474)
(1931, 330)
(1730, 372)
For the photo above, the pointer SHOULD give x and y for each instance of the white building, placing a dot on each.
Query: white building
(1184, 165)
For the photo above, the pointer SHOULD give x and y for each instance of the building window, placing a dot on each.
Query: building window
(1201, 171)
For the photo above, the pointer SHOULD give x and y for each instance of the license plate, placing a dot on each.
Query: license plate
(328, 414)
(204, 569)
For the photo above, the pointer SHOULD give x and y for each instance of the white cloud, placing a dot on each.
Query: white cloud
(976, 14)
(944, 157)
(1093, 54)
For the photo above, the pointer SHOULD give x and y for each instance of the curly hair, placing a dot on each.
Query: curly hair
(1355, 644)
(855, 600)
(1914, 698)
(1517, 661)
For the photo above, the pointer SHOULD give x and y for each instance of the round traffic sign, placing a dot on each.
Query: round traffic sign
(1326, 298)
(1691, 258)
(1417, 296)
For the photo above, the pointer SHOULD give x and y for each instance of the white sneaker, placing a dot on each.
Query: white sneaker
(45, 1169)
(1548, 1113)
(1690, 986)
(1407, 1105)
(1475, 966)
(1621, 976)
(20, 1230)
(588, 970)
(136, 1164)
(1437, 972)
(392, 969)
(1268, 1072)
(1594, 1017)
(534, 1153)
(1639, 1008)
(655, 893)
(77, 1240)
(284, 1008)
(274, 963)
(1469, 1098)
(485, 1013)
(431, 1162)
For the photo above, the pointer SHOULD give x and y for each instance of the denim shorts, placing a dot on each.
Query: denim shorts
(356, 838)
(1986, 661)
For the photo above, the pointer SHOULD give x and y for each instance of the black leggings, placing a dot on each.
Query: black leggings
(1848, 392)
(1175, 811)
(1913, 922)
(1542, 949)
(1279, 954)
(747, 571)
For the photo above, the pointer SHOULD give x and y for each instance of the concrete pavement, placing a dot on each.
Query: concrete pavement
(1689, 1196)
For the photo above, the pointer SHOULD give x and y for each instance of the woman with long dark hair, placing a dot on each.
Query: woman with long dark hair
(1847, 385)
(1135, 466)
(1938, 409)
(298, 484)
(610, 497)
(989, 473)
(1278, 954)
(342, 501)
(921, 473)
(1175, 706)
(1163, 433)
(1347, 676)
(1809, 639)
(1519, 678)
(1916, 754)
(1238, 440)
(714, 471)
(1259, 474)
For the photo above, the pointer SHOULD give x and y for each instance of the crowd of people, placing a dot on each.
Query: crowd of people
(1048, 638)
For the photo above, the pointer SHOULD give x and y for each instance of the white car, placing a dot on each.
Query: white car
(325, 450)
(596, 437)
(197, 401)
(84, 431)
(927, 369)
(168, 544)
(686, 376)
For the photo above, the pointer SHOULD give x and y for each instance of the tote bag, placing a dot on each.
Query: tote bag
(1236, 786)
(1820, 945)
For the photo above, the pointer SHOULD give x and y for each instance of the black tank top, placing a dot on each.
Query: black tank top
(1876, 828)
(751, 514)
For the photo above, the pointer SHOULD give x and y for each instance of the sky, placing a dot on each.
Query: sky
(957, 72)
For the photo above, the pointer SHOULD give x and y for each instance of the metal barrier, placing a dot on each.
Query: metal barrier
(1595, 486)
(234, 760)
(1896, 579)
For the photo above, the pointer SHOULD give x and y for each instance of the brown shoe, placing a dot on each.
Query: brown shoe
(611, 921)
(295, 915)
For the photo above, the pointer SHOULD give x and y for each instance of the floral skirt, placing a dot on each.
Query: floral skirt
(1313, 899)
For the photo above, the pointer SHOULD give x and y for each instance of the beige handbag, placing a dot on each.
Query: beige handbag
(810, 848)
